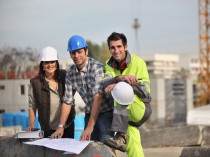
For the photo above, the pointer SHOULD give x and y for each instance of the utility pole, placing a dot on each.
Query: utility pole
(136, 26)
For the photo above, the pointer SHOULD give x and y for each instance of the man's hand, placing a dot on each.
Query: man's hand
(65, 110)
(108, 89)
(86, 135)
(58, 133)
(131, 79)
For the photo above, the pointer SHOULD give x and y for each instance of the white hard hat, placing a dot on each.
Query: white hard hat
(48, 54)
(123, 93)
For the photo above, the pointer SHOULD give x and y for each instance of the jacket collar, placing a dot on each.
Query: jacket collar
(128, 59)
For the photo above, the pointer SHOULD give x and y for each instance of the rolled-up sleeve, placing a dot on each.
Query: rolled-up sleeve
(99, 76)
(31, 102)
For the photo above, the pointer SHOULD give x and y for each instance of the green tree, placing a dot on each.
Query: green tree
(99, 52)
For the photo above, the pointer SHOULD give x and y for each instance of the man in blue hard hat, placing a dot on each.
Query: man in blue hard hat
(85, 77)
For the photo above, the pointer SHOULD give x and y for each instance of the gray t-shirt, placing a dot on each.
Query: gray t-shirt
(55, 106)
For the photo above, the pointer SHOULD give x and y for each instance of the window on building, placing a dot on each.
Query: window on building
(178, 88)
(194, 60)
(22, 89)
(2, 87)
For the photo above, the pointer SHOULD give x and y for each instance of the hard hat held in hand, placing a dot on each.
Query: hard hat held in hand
(123, 93)
(48, 54)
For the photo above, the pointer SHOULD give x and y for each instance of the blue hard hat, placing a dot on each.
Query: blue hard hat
(76, 42)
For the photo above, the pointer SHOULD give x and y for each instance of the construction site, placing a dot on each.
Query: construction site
(180, 89)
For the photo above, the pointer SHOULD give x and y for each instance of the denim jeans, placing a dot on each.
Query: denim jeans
(102, 128)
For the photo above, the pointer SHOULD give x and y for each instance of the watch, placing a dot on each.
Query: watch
(60, 126)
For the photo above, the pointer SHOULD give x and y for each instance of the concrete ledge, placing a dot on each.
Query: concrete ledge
(11, 147)
(163, 152)
(9, 131)
(176, 136)
(206, 136)
(196, 152)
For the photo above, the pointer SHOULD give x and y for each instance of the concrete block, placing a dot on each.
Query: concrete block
(206, 136)
(11, 147)
(172, 136)
(196, 152)
(163, 152)
(9, 131)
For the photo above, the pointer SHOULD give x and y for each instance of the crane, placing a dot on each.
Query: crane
(204, 52)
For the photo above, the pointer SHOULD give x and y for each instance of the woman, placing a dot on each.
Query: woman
(45, 95)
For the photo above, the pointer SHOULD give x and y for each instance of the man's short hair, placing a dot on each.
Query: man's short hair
(117, 36)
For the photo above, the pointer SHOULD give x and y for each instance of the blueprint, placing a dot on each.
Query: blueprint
(70, 146)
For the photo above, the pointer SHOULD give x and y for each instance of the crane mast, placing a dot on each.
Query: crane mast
(204, 52)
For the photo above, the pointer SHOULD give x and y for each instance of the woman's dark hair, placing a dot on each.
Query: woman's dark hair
(41, 73)
(117, 36)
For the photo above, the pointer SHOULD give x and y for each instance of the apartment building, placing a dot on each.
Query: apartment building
(170, 65)
(173, 89)
(162, 65)
(190, 64)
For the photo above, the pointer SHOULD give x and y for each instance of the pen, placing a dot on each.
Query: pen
(58, 136)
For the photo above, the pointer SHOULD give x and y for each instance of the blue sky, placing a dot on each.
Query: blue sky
(167, 26)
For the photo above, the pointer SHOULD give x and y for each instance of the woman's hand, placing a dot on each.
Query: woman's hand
(29, 128)
(58, 133)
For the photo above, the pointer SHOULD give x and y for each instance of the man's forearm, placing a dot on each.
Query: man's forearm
(95, 110)
(65, 110)
(108, 81)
